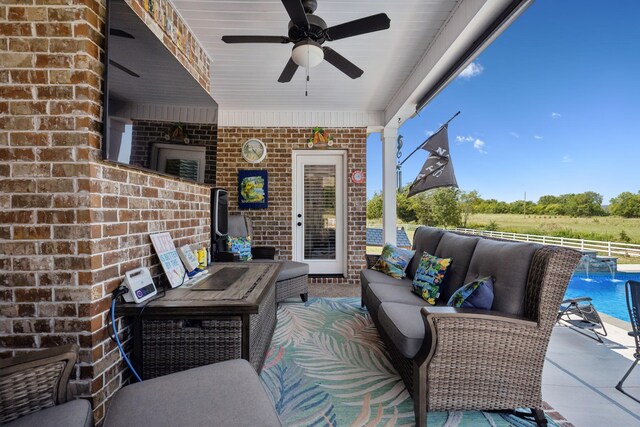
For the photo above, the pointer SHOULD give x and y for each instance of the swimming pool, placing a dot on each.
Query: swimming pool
(607, 293)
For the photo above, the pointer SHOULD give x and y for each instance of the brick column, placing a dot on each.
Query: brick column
(50, 107)
(71, 224)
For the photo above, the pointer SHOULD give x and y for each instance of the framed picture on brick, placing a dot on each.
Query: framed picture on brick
(253, 189)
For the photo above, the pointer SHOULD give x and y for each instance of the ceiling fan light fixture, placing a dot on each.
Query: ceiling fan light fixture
(307, 54)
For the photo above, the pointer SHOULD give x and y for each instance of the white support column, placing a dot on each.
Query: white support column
(389, 137)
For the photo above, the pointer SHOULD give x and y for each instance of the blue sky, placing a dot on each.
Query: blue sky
(551, 107)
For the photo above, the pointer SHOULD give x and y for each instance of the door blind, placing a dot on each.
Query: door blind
(319, 211)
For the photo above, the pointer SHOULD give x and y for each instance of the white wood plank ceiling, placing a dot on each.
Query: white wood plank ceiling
(244, 76)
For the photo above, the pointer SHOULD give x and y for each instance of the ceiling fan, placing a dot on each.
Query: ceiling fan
(308, 32)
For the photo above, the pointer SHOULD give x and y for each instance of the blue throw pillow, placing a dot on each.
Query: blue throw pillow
(429, 277)
(477, 294)
(240, 246)
(393, 261)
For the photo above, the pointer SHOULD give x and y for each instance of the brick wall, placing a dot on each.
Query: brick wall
(70, 225)
(127, 206)
(146, 133)
(272, 226)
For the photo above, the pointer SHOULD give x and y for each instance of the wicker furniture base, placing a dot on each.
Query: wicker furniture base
(186, 328)
(292, 288)
(174, 345)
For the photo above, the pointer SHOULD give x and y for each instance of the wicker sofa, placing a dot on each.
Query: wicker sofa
(469, 359)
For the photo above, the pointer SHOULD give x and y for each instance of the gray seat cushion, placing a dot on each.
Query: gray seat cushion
(372, 276)
(508, 263)
(70, 414)
(425, 239)
(403, 325)
(459, 249)
(223, 394)
(377, 293)
(291, 269)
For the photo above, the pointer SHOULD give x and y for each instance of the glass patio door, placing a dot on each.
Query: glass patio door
(318, 210)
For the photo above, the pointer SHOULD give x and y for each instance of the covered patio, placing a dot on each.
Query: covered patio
(79, 204)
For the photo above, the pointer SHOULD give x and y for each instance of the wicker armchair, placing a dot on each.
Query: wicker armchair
(34, 386)
(482, 359)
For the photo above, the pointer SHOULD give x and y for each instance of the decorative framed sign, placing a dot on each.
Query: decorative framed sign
(319, 138)
(357, 176)
(177, 133)
(253, 189)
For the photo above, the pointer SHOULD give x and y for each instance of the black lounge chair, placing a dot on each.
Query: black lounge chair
(580, 313)
(632, 290)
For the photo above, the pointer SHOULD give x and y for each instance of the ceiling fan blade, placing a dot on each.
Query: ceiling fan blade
(120, 33)
(288, 72)
(255, 39)
(123, 68)
(360, 26)
(296, 13)
(341, 63)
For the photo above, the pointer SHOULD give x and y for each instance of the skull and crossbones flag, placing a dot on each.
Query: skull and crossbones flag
(437, 171)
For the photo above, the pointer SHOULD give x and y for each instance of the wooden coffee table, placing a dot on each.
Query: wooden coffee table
(193, 327)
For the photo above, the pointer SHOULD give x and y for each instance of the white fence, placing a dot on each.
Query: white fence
(609, 248)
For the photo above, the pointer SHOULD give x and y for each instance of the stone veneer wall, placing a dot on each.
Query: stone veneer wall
(272, 226)
(70, 224)
(146, 133)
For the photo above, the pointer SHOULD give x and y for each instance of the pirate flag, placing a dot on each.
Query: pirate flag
(437, 171)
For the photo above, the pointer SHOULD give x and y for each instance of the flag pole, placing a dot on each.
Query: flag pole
(427, 140)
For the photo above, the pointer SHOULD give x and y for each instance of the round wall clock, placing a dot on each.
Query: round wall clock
(254, 150)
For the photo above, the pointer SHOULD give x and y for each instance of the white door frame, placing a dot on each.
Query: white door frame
(296, 239)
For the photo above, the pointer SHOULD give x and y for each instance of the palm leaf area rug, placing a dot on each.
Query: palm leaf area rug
(328, 367)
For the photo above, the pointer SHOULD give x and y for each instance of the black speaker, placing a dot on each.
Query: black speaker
(219, 212)
(219, 216)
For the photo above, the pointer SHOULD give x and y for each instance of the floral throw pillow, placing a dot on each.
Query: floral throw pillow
(240, 246)
(477, 294)
(393, 261)
(429, 277)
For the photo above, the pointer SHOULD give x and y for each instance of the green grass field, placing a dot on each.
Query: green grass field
(608, 227)
(596, 228)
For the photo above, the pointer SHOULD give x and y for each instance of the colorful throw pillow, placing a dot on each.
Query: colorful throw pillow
(393, 261)
(429, 277)
(240, 246)
(477, 294)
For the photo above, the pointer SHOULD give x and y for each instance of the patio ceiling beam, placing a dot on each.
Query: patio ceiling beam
(472, 26)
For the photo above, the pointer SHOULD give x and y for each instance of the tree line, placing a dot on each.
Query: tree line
(451, 207)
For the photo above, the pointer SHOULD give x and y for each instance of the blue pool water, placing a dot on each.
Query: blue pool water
(607, 293)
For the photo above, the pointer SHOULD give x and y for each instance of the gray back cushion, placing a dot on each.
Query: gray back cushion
(425, 239)
(508, 263)
(459, 249)
(238, 225)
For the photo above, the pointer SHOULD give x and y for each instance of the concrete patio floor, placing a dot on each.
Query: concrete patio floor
(580, 374)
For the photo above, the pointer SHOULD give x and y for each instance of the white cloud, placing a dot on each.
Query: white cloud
(477, 143)
(566, 159)
(464, 138)
(515, 135)
(472, 70)
(537, 137)
(555, 115)
(428, 132)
